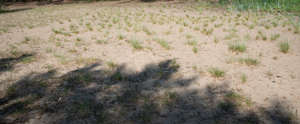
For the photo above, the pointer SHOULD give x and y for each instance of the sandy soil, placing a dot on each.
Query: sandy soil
(73, 36)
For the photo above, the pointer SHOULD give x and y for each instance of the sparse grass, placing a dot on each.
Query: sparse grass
(216, 72)
(262, 35)
(284, 47)
(238, 99)
(111, 64)
(61, 32)
(207, 31)
(101, 41)
(237, 47)
(147, 31)
(192, 42)
(135, 44)
(263, 5)
(195, 49)
(29, 59)
(78, 39)
(121, 37)
(162, 43)
(243, 78)
(274, 37)
(249, 61)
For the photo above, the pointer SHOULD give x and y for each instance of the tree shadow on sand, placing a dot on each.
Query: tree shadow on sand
(8, 63)
(98, 94)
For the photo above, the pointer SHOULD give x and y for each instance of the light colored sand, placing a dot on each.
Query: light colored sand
(284, 83)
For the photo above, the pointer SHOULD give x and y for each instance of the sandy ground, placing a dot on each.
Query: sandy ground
(70, 37)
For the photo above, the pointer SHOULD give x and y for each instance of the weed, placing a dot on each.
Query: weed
(217, 73)
(78, 39)
(111, 64)
(195, 49)
(162, 43)
(188, 36)
(248, 61)
(27, 60)
(244, 78)
(275, 37)
(192, 43)
(61, 32)
(207, 31)
(284, 47)
(101, 42)
(121, 37)
(147, 31)
(237, 47)
(135, 44)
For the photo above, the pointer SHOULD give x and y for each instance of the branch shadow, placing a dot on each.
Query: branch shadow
(14, 10)
(7, 64)
(96, 94)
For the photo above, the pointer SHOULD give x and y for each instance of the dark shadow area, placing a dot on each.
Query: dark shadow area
(115, 95)
(14, 10)
(8, 63)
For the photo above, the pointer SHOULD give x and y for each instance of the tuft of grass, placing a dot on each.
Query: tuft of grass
(61, 32)
(111, 64)
(195, 49)
(284, 47)
(249, 61)
(238, 99)
(237, 47)
(121, 37)
(163, 43)
(207, 31)
(101, 42)
(274, 37)
(27, 60)
(244, 78)
(135, 44)
(147, 31)
(216, 72)
(192, 43)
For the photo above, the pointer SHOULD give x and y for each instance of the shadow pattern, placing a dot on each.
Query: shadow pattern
(156, 95)
(8, 63)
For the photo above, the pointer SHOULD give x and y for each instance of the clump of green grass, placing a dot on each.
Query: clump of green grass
(28, 59)
(207, 31)
(61, 32)
(188, 36)
(192, 42)
(244, 78)
(111, 64)
(101, 42)
(147, 31)
(121, 37)
(284, 47)
(135, 44)
(249, 61)
(216, 72)
(237, 47)
(263, 36)
(195, 49)
(238, 99)
(263, 5)
(274, 37)
(88, 25)
(163, 43)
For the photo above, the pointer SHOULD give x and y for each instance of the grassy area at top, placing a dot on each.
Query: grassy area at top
(263, 5)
